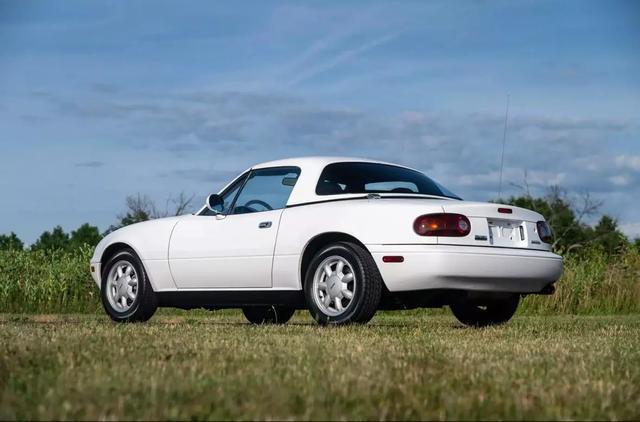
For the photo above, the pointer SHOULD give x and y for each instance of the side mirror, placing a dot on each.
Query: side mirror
(215, 203)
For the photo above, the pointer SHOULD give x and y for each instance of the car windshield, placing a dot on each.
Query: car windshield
(338, 178)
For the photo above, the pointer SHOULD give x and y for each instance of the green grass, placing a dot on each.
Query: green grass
(593, 283)
(400, 366)
(38, 282)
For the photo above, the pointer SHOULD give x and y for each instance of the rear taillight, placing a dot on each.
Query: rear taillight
(452, 225)
(544, 232)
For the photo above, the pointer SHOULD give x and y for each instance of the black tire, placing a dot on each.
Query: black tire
(368, 284)
(493, 312)
(145, 303)
(268, 314)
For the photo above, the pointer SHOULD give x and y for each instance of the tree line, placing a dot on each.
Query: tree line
(567, 218)
(565, 215)
(138, 208)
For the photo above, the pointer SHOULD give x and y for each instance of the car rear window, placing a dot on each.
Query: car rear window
(338, 178)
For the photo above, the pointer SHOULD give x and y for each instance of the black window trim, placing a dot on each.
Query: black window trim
(235, 198)
(250, 172)
(421, 196)
(246, 179)
(383, 193)
(241, 179)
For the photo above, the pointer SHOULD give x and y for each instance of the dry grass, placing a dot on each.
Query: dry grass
(401, 366)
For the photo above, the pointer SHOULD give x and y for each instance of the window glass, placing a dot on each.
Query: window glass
(395, 186)
(356, 177)
(266, 189)
(227, 196)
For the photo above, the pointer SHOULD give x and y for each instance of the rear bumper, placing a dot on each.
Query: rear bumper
(467, 268)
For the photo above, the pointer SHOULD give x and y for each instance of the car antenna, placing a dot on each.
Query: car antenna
(504, 142)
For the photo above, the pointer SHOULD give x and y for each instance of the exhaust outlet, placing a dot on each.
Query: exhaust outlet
(549, 289)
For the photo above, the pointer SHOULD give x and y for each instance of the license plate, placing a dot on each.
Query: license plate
(505, 232)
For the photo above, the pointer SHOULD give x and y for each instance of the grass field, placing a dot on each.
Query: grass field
(401, 366)
(572, 355)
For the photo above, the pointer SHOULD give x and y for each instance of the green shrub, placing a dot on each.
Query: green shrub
(59, 282)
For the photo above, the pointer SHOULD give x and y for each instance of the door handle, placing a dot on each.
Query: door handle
(264, 225)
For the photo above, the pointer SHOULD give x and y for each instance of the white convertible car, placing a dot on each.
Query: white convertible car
(342, 237)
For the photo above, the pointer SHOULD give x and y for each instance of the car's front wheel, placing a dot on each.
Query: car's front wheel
(268, 314)
(485, 313)
(343, 285)
(126, 293)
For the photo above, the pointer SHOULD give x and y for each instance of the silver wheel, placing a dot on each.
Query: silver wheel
(334, 285)
(122, 286)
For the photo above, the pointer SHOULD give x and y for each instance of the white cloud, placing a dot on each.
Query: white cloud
(631, 162)
(620, 180)
(339, 59)
(460, 150)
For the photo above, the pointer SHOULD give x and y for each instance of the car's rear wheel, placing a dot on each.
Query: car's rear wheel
(487, 312)
(268, 314)
(126, 293)
(343, 285)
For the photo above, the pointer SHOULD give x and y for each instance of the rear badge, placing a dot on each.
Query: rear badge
(479, 237)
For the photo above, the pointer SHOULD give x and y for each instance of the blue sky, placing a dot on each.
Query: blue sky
(100, 100)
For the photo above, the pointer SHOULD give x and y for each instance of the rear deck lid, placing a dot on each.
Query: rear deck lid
(496, 225)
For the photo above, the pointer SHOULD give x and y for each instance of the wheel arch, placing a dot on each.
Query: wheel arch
(318, 242)
(115, 247)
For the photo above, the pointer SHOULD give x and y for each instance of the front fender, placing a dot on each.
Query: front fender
(150, 241)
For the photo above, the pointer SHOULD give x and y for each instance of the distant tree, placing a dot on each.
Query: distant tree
(85, 235)
(607, 236)
(142, 208)
(181, 204)
(57, 239)
(566, 217)
(10, 242)
(636, 243)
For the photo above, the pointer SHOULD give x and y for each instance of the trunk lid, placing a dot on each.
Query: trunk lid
(496, 225)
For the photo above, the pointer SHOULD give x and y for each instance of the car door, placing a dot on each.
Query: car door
(233, 249)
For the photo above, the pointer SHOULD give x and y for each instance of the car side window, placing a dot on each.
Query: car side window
(228, 197)
(266, 189)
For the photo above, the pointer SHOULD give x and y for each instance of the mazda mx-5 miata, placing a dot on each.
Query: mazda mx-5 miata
(342, 237)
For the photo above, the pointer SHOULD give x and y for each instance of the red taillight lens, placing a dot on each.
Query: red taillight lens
(452, 225)
(544, 232)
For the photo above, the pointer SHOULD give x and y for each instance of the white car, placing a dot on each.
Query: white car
(342, 237)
